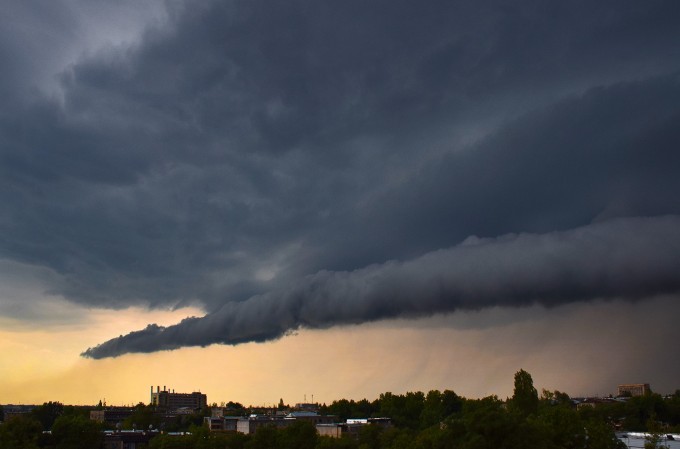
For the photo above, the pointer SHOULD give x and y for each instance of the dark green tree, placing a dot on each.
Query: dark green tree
(342, 408)
(172, 442)
(639, 410)
(299, 435)
(438, 406)
(601, 436)
(143, 417)
(405, 410)
(20, 432)
(488, 424)
(394, 438)
(365, 409)
(76, 432)
(369, 436)
(48, 413)
(452, 403)
(525, 397)
(266, 437)
(337, 443)
(433, 409)
(562, 426)
(555, 398)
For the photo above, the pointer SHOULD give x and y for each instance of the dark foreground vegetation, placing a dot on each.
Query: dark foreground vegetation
(436, 420)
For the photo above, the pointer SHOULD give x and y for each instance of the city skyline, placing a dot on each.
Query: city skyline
(195, 400)
(284, 199)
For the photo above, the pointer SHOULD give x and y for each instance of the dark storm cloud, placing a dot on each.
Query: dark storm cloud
(241, 146)
(624, 258)
(583, 159)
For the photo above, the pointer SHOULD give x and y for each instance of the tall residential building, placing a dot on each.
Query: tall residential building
(173, 401)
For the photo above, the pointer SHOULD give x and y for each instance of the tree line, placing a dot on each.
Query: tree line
(436, 420)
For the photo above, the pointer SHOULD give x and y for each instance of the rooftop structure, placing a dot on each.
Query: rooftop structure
(307, 406)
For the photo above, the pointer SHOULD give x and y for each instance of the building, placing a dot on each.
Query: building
(312, 417)
(253, 422)
(634, 390)
(10, 411)
(174, 401)
(339, 430)
(351, 427)
(221, 423)
(250, 424)
(382, 422)
(307, 406)
(111, 416)
(128, 439)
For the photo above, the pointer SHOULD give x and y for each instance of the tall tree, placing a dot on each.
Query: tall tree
(48, 413)
(525, 397)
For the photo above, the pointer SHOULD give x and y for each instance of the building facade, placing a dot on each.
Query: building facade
(250, 424)
(339, 430)
(222, 423)
(131, 439)
(634, 390)
(111, 416)
(351, 427)
(174, 401)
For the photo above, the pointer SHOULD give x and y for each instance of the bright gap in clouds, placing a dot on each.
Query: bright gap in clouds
(34, 351)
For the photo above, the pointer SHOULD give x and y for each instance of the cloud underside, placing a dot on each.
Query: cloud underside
(312, 164)
(630, 259)
(236, 148)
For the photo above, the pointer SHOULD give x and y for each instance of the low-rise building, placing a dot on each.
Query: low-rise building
(222, 423)
(111, 416)
(10, 410)
(312, 417)
(250, 424)
(307, 406)
(339, 430)
(128, 439)
(350, 428)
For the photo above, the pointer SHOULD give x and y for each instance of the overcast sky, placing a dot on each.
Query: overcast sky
(278, 167)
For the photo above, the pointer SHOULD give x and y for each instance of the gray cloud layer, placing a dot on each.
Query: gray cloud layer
(624, 258)
(215, 154)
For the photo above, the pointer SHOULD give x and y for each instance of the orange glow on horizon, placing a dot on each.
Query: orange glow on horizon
(353, 362)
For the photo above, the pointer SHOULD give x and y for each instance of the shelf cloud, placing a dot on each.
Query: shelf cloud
(629, 259)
